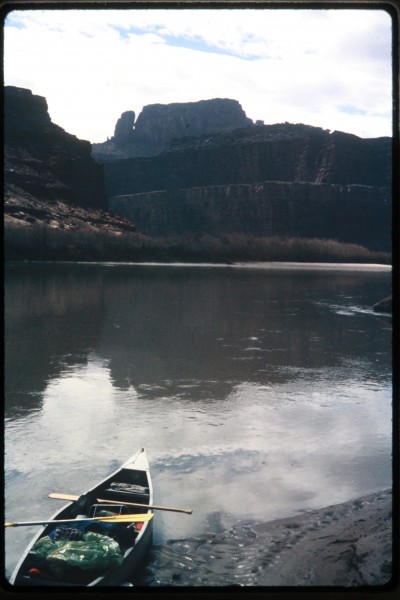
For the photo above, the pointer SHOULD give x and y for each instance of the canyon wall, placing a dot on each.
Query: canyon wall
(283, 179)
(347, 213)
(260, 153)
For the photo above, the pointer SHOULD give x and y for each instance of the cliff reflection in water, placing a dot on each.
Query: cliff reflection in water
(53, 319)
(187, 332)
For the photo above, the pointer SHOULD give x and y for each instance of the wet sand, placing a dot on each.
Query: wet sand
(346, 545)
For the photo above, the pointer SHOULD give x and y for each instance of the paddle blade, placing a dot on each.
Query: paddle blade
(63, 496)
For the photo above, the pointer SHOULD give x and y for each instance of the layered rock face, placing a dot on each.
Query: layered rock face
(284, 179)
(352, 214)
(261, 153)
(43, 161)
(159, 124)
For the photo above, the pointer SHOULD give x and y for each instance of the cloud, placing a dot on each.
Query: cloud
(281, 65)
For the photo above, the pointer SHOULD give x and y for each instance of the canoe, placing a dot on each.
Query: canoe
(131, 483)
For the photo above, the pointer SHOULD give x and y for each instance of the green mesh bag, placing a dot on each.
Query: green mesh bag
(44, 546)
(94, 552)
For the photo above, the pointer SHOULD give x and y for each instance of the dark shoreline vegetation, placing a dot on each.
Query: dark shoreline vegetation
(38, 242)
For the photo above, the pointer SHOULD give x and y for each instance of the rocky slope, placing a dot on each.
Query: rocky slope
(50, 178)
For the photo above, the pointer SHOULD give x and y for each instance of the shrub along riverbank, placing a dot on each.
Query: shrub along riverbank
(38, 242)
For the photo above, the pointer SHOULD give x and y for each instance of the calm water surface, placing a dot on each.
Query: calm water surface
(258, 392)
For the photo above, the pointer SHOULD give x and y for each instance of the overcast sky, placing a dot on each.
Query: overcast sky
(328, 68)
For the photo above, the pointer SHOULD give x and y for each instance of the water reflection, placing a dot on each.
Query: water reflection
(190, 333)
(52, 321)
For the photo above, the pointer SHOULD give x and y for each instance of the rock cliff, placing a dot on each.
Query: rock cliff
(204, 168)
(283, 152)
(42, 159)
(50, 177)
(347, 213)
(159, 124)
(283, 179)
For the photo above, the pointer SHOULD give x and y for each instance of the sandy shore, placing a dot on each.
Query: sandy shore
(344, 545)
(347, 545)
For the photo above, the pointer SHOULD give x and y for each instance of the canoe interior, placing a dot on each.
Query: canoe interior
(126, 485)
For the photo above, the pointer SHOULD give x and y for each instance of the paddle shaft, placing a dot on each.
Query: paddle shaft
(116, 519)
(73, 498)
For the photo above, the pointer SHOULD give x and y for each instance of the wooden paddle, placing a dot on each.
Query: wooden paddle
(73, 498)
(114, 519)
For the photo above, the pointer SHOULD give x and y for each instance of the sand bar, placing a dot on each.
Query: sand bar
(344, 545)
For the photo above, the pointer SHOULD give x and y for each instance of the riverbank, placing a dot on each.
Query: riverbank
(108, 241)
(347, 545)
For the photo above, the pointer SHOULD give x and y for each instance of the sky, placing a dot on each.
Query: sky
(327, 68)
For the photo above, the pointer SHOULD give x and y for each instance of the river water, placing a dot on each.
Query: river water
(259, 391)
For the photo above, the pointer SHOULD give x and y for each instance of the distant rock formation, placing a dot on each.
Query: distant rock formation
(124, 128)
(158, 124)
